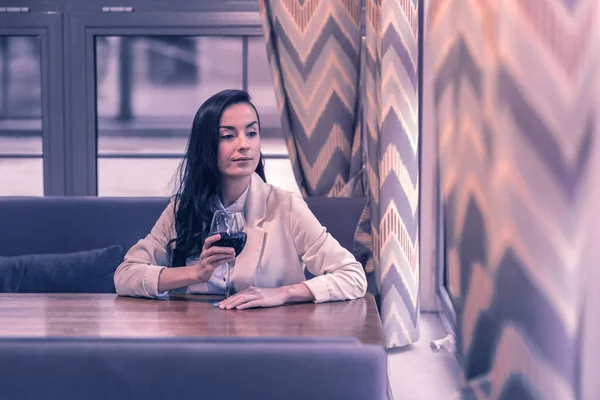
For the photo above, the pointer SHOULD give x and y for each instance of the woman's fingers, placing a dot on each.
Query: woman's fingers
(255, 297)
(216, 250)
(252, 304)
(246, 295)
(236, 300)
(209, 241)
(216, 260)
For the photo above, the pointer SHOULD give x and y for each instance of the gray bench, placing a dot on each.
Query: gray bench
(191, 368)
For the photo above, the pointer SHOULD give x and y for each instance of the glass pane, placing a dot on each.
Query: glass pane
(136, 177)
(279, 173)
(260, 86)
(21, 177)
(451, 263)
(20, 77)
(148, 91)
(20, 115)
(130, 177)
(152, 86)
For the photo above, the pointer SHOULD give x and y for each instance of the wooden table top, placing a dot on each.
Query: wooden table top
(108, 315)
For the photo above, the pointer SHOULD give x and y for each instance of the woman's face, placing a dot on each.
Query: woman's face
(239, 141)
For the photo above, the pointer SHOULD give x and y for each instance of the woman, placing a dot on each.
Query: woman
(223, 168)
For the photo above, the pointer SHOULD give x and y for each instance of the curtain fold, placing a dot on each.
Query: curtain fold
(314, 49)
(392, 36)
(515, 94)
(349, 108)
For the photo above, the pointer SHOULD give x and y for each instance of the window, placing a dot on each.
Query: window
(21, 164)
(448, 269)
(148, 89)
(260, 86)
(118, 122)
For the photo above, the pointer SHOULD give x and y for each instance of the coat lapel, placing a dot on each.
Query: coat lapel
(248, 260)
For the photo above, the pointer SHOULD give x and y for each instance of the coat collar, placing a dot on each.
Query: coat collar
(256, 202)
(248, 260)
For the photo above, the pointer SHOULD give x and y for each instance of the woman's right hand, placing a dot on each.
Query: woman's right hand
(211, 257)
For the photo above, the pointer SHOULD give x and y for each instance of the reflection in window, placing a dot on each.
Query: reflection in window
(20, 79)
(20, 116)
(172, 61)
(161, 79)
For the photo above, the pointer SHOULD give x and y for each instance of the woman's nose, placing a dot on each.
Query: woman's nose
(242, 142)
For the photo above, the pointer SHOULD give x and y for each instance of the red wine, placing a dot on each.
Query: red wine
(236, 240)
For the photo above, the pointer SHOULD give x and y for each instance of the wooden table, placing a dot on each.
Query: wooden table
(107, 315)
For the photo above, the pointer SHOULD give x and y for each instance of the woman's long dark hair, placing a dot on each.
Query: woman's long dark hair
(199, 177)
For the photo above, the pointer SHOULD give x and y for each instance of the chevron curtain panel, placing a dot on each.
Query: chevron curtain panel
(338, 92)
(314, 52)
(392, 138)
(514, 88)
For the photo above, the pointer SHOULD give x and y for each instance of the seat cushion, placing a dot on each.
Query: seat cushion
(190, 368)
(82, 272)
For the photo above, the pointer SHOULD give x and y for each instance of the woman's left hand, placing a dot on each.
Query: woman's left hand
(255, 297)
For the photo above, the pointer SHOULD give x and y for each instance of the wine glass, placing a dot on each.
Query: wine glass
(229, 225)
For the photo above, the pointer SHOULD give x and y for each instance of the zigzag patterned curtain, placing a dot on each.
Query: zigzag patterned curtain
(314, 52)
(391, 58)
(318, 59)
(515, 105)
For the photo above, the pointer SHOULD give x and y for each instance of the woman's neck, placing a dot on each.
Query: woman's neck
(232, 189)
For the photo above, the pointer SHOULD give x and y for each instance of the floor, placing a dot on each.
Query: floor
(417, 373)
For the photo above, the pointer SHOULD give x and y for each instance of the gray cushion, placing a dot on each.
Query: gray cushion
(81, 272)
(97, 368)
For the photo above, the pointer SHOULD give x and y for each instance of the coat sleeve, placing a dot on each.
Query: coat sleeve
(338, 276)
(138, 273)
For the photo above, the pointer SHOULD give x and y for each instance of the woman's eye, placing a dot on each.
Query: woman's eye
(251, 134)
(226, 137)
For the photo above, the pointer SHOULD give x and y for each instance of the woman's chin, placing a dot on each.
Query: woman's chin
(238, 173)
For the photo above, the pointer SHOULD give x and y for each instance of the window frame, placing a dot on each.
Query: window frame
(48, 27)
(81, 87)
(434, 293)
(443, 299)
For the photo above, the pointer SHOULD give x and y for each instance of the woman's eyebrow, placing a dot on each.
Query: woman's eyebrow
(233, 127)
